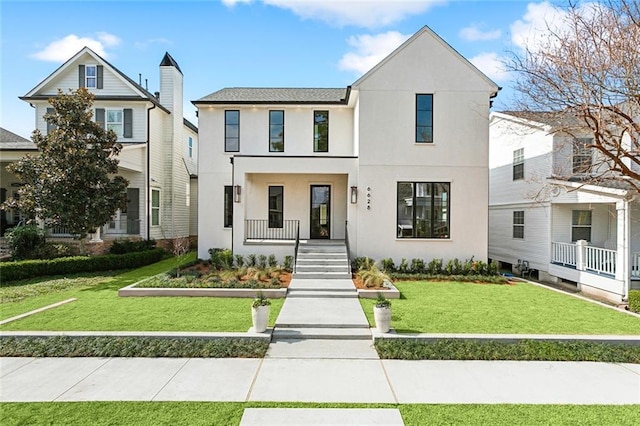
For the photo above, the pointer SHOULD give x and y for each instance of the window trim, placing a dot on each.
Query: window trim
(315, 135)
(227, 207)
(155, 208)
(226, 147)
(121, 123)
(271, 125)
(574, 226)
(432, 215)
(272, 223)
(93, 77)
(518, 164)
(416, 119)
(518, 223)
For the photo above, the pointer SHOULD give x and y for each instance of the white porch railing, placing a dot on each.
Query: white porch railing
(563, 254)
(600, 260)
(635, 265)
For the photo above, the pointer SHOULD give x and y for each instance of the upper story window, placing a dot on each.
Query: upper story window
(90, 76)
(118, 120)
(582, 155)
(232, 131)
(518, 164)
(276, 131)
(518, 224)
(321, 131)
(424, 118)
(423, 210)
(190, 147)
(115, 121)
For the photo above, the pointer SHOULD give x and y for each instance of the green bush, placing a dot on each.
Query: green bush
(272, 261)
(388, 265)
(288, 263)
(221, 258)
(130, 246)
(12, 271)
(51, 251)
(417, 266)
(435, 267)
(24, 241)
(239, 260)
(360, 263)
(634, 301)
(262, 261)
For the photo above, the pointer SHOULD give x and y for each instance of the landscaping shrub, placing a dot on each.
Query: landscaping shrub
(288, 263)
(12, 271)
(435, 267)
(24, 241)
(239, 261)
(51, 251)
(526, 350)
(262, 261)
(221, 258)
(417, 266)
(494, 279)
(634, 301)
(360, 263)
(251, 261)
(372, 277)
(388, 265)
(112, 346)
(130, 246)
(404, 266)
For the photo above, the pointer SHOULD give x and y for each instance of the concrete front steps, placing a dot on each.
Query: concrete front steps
(322, 260)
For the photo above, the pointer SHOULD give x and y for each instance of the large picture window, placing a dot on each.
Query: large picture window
(276, 131)
(423, 210)
(232, 131)
(581, 225)
(518, 224)
(155, 207)
(228, 206)
(276, 206)
(424, 118)
(321, 131)
(518, 164)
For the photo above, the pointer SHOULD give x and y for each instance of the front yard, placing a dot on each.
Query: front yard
(454, 307)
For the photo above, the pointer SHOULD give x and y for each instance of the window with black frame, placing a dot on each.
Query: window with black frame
(423, 210)
(276, 206)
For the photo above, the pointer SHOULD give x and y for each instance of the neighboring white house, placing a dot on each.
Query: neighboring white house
(397, 162)
(545, 210)
(159, 155)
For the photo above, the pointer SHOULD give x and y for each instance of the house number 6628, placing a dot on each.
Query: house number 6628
(368, 198)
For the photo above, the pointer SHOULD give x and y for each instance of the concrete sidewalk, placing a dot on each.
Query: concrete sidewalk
(317, 380)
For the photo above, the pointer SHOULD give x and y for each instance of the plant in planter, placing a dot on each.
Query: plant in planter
(260, 313)
(382, 313)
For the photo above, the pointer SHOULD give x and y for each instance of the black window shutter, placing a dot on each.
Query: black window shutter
(128, 123)
(100, 73)
(80, 75)
(50, 126)
(100, 118)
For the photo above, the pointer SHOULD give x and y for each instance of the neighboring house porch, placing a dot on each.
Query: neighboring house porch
(595, 241)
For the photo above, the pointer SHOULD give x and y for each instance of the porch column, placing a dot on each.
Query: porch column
(95, 237)
(623, 249)
(581, 255)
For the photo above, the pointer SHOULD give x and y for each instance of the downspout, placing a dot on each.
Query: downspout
(233, 204)
(148, 189)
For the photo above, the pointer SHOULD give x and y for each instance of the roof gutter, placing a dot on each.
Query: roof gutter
(148, 183)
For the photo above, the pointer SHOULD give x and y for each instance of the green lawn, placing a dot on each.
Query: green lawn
(452, 307)
(230, 413)
(99, 308)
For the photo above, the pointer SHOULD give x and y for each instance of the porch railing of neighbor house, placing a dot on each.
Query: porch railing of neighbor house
(58, 231)
(258, 229)
(346, 243)
(635, 265)
(600, 260)
(563, 254)
(122, 227)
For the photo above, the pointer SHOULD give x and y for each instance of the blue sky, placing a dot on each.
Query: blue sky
(254, 43)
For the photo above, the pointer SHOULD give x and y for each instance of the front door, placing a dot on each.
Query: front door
(320, 211)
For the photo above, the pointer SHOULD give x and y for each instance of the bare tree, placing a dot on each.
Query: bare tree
(585, 76)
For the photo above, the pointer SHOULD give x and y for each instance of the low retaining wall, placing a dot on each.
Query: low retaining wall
(390, 293)
(133, 291)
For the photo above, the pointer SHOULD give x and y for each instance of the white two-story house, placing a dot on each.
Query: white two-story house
(396, 163)
(159, 155)
(546, 211)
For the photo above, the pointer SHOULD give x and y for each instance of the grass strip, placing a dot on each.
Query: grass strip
(149, 347)
(230, 413)
(526, 350)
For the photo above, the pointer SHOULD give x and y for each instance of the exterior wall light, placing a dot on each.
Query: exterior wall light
(354, 194)
(237, 191)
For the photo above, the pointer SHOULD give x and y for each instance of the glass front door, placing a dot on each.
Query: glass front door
(320, 211)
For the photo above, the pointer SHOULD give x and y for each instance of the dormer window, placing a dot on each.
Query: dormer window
(91, 76)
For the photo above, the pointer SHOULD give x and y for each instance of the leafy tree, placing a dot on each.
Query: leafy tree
(71, 182)
(585, 73)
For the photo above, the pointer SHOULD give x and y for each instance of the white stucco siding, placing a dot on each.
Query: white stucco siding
(534, 247)
(377, 227)
(113, 85)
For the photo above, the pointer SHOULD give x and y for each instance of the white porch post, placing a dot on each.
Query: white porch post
(581, 255)
(95, 237)
(623, 249)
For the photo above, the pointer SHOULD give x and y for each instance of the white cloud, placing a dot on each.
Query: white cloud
(63, 49)
(491, 65)
(231, 3)
(369, 50)
(363, 13)
(146, 43)
(474, 33)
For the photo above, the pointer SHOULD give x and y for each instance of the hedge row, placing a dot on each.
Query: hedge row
(130, 346)
(526, 350)
(634, 301)
(12, 271)
(493, 279)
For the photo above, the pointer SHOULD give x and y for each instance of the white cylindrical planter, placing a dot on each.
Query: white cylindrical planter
(260, 318)
(383, 319)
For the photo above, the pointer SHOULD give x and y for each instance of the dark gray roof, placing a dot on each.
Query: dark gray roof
(168, 61)
(257, 95)
(190, 125)
(9, 141)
